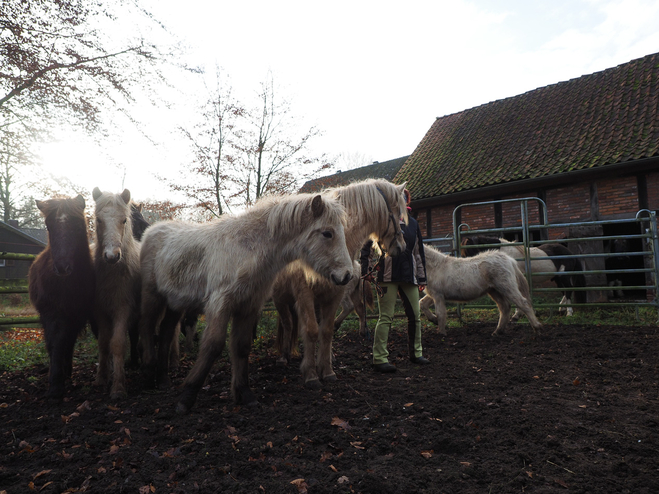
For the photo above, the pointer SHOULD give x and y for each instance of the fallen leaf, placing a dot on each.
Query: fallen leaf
(343, 480)
(84, 407)
(342, 424)
(576, 382)
(530, 474)
(465, 463)
(114, 449)
(560, 482)
(427, 454)
(114, 409)
(45, 485)
(42, 472)
(325, 456)
(357, 444)
(301, 485)
(333, 468)
(408, 404)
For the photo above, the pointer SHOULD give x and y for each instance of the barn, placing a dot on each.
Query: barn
(588, 148)
(19, 241)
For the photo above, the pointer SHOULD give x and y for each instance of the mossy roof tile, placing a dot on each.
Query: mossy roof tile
(591, 121)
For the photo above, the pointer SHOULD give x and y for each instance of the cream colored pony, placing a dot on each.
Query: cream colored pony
(117, 301)
(374, 208)
(453, 279)
(225, 268)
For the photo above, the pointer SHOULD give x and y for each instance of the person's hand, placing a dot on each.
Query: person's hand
(422, 288)
(369, 278)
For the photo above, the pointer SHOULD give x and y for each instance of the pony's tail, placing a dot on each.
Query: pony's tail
(522, 283)
(368, 296)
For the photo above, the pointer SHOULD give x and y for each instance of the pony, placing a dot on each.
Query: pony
(117, 267)
(139, 222)
(455, 279)
(225, 268)
(374, 208)
(61, 286)
(358, 295)
(540, 263)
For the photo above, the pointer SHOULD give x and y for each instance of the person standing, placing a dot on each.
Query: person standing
(405, 275)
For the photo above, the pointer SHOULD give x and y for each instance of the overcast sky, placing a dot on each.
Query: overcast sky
(374, 75)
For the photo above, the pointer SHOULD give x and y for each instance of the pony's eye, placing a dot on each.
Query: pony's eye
(327, 234)
(124, 222)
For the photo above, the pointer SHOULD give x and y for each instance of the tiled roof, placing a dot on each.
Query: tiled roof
(386, 170)
(595, 120)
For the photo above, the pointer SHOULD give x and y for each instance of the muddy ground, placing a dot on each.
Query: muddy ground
(573, 410)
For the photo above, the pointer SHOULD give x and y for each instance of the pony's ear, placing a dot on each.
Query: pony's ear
(125, 196)
(80, 201)
(317, 206)
(96, 193)
(41, 205)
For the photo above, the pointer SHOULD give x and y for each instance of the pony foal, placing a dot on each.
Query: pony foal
(453, 279)
(61, 285)
(116, 261)
(225, 268)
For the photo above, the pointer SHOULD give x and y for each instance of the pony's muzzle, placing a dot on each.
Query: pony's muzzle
(342, 281)
(62, 270)
(113, 257)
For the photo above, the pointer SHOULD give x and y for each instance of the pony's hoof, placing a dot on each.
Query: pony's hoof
(330, 378)
(182, 409)
(443, 332)
(118, 395)
(312, 384)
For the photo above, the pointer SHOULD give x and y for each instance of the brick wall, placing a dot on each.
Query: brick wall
(618, 195)
(569, 204)
(653, 190)
(511, 211)
(479, 217)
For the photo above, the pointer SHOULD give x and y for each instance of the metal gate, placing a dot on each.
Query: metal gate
(624, 277)
(15, 286)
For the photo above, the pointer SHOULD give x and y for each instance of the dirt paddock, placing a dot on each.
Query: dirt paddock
(573, 410)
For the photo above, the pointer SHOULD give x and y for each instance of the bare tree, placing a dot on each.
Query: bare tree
(58, 68)
(208, 181)
(275, 152)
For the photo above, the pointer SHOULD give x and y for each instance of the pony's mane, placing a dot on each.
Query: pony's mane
(365, 199)
(286, 213)
(64, 205)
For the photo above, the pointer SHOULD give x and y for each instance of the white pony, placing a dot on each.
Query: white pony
(117, 301)
(374, 209)
(453, 279)
(225, 268)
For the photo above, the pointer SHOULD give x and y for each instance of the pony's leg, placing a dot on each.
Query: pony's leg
(285, 323)
(341, 317)
(326, 333)
(190, 325)
(175, 348)
(134, 337)
(211, 346)
(104, 335)
(168, 327)
(526, 307)
(118, 351)
(307, 321)
(504, 310)
(153, 307)
(440, 311)
(53, 335)
(240, 341)
(424, 305)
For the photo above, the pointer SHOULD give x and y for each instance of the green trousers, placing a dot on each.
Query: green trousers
(409, 294)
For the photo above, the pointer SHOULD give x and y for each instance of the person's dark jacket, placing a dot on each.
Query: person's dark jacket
(407, 267)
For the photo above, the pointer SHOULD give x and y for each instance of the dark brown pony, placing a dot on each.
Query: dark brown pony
(61, 285)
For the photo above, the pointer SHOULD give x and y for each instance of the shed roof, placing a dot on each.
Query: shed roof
(386, 170)
(592, 121)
